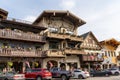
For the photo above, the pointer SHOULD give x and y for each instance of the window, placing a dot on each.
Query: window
(111, 53)
(114, 54)
(77, 71)
(71, 45)
(53, 45)
(36, 70)
(105, 53)
(90, 41)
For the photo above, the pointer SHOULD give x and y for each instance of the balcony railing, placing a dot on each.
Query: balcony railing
(54, 53)
(19, 20)
(73, 51)
(76, 38)
(55, 35)
(90, 47)
(63, 36)
(9, 34)
(21, 53)
(92, 58)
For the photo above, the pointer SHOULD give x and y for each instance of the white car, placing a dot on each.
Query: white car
(114, 71)
(80, 74)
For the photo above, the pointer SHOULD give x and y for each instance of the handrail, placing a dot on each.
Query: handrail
(21, 35)
(19, 52)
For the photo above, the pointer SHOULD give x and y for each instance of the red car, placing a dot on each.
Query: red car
(38, 74)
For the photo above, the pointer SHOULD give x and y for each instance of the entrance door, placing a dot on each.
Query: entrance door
(18, 66)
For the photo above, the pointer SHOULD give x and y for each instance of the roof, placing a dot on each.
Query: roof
(22, 25)
(60, 13)
(111, 42)
(84, 36)
(88, 33)
(3, 11)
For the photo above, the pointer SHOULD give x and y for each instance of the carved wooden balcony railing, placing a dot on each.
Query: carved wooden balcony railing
(90, 47)
(73, 51)
(63, 36)
(55, 35)
(91, 58)
(54, 53)
(76, 38)
(21, 53)
(9, 34)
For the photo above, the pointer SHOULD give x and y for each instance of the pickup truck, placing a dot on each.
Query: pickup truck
(38, 74)
(58, 73)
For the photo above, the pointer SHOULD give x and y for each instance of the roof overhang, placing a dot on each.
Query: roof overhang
(60, 13)
(3, 12)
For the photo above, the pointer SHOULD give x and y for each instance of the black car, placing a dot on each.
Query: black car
(58, 73)
(100, 73)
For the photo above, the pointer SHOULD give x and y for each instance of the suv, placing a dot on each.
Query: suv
(58, 73)
(38, 74)
(114, 71)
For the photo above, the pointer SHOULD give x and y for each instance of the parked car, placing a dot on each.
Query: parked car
(38, 74)
(80, 74)
(12, 76)
(114, 71)
(58, 73)
(100, 73)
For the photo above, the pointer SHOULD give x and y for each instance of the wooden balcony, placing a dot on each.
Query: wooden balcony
(90, 47)
(73, 51)
(55, 35)
(21, 53)
(76, 38)
(9, 34)
(91, 58)
(55, 53)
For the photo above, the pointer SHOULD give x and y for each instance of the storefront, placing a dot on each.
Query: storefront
(19, 64)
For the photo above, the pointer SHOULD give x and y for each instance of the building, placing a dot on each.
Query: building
(93, 55)
(109, 52)
(62, 39)
(50, 41)
(21, 44)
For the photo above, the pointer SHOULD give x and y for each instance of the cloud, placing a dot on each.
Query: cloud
(30, 18)
(68, 4)
(108, 11)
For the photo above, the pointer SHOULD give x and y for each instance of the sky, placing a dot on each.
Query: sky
(101, 16)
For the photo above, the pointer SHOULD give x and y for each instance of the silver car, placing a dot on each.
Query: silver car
(12, 76)
(80, 74)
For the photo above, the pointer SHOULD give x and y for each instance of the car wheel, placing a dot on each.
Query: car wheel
(38, 78)
(64, 77)
(92, 75)
(106, 75)
(5, 79)
(116, 73)
(80, 77)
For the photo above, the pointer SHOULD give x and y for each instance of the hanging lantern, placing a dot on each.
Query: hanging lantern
(10, 64)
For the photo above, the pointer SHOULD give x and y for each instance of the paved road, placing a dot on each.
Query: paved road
(98, 78)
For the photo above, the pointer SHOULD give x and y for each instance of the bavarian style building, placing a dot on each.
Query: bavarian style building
(50, 41)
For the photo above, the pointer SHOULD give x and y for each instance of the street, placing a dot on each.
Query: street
(101, 78)
(98, 78)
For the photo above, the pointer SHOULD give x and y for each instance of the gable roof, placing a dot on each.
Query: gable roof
(85, 35)
(60, 13)
(110, 42)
